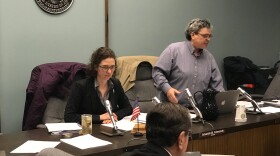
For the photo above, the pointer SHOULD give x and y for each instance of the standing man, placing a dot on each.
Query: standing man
(188, 64)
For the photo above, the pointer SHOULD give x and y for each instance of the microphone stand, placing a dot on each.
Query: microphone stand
(253, 102)
(114, 131)
(197, 112)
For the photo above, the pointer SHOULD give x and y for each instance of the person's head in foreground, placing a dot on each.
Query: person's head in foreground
(168, 126)
(167, 131)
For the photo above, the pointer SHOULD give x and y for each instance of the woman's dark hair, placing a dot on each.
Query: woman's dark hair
(97, 56)
(165, 122)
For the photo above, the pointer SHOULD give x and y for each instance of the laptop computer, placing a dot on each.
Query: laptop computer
(227, 100)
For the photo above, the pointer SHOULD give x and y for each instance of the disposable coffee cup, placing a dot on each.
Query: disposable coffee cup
(240, 115)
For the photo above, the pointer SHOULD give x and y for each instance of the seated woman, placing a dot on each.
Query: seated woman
(88, 96)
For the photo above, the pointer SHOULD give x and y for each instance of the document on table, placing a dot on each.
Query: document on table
(267, 110)
(127, 125)
(32, 146)
(55, 127)
(86, 141)
(275, 103)
(141, 118)
(249, 104)
(122, 125)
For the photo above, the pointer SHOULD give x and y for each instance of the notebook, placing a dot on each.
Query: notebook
(227, 100)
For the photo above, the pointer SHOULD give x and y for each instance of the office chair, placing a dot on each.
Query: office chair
(54, 112)
(273, 90)
(144, 88)
(242, 72)
(49, 84)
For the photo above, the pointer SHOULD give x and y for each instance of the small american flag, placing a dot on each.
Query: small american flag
(136, 110)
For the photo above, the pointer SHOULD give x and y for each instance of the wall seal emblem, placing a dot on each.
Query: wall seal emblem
(54, 6)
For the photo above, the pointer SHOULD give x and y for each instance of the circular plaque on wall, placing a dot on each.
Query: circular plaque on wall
(54, 6)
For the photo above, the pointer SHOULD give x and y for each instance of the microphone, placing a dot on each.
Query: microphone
(155, 100)
(108, 108)
(193, 103)
(107, 130)
(248, 96)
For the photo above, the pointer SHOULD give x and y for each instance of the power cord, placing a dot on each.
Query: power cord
(133, 139)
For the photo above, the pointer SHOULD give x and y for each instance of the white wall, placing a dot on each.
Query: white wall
(29, 36)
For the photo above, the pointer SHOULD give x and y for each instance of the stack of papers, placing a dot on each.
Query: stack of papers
(58, 127)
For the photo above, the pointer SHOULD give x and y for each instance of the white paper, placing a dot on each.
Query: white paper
(268, 110)
(127, 125)
(192, 115)
(123, 124)
(32, 146)
(248, 104)
(54, 127)
(141, 118)
(275, 103)
(85, 141)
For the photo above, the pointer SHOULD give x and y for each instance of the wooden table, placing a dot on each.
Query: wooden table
(259, 136)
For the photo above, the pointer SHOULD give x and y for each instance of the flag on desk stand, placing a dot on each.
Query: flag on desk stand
(136, 110)
(135, 114)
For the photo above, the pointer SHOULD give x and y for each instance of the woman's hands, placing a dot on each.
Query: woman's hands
(106, 118)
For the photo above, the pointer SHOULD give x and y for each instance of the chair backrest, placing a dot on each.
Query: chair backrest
(54, 112)
(241, 71)
(144, 88)
(46, 81)
(273, 90)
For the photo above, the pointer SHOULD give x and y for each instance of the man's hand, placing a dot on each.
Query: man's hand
(171, 95)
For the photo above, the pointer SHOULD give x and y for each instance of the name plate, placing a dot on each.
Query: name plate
(212, 133)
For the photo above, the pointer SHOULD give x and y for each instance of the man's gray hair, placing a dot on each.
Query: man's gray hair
(195, 25)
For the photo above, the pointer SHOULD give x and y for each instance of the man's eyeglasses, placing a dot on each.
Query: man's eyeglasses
(206, 35)
(106, 68)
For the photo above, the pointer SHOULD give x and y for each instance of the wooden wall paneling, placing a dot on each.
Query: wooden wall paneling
(260, 141)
